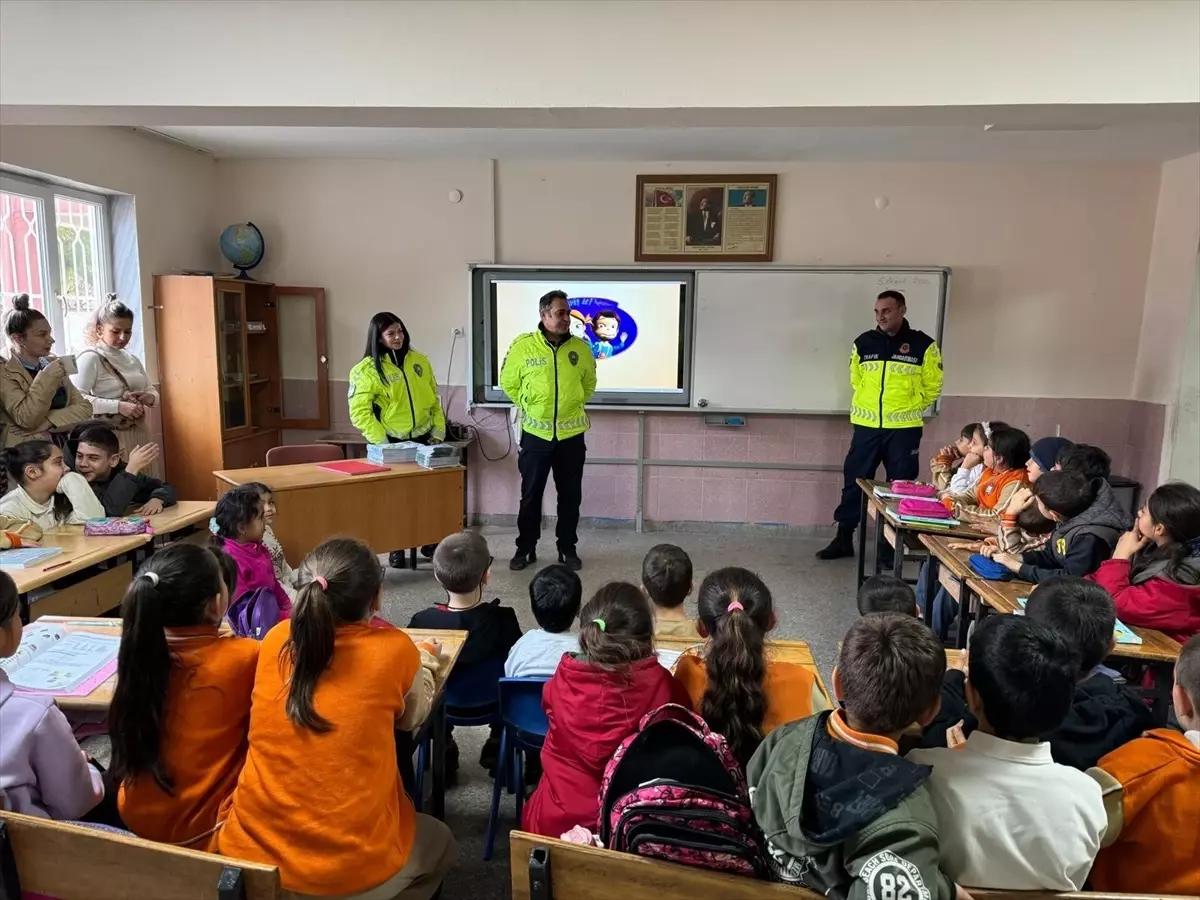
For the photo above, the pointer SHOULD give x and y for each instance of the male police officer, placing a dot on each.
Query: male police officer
(895, 372)
(550, 374)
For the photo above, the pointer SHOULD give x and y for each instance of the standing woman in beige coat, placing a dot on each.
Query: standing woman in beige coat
(36, 396)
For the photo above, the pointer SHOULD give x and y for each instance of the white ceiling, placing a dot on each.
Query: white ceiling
(872, 143)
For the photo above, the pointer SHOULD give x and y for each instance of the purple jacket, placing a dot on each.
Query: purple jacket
(42, 770)
(255, 570)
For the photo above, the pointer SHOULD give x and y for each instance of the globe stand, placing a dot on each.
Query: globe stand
(244, 274)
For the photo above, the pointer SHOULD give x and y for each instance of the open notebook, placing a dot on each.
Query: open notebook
(53, 660)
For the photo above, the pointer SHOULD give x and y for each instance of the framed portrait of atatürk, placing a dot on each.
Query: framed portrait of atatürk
(720, 218)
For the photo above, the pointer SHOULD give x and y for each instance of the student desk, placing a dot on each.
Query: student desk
(182, 517)
(796, 652)
(952, 570)
(890, 530)
(87, 596)
(406, 506)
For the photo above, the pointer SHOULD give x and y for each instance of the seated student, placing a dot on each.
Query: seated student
(555, 595)
(42, 770)
(1154, 573)
(958, 466)
(462, 565)
(1088, 460)
(181, 709)
(1104, 713)
(887, 593)
(732, 683)
(594, 701)
(43, 491)
(667, 581)
(284, 573)
(1004, 456)
(1089, 521)
(835, 802)
(238, 528)
(1044, 455)
(1011, 818)
(121, 485)
(320, 795)
(1152, 794)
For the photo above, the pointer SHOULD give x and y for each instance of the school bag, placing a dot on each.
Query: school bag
(254, 613)
(673, 790)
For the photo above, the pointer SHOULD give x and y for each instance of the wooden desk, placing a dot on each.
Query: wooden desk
(435, 725)
(796, 652)
(184, 514)
(951, 568)
(406, 506)
(86, 596)
(888, 530)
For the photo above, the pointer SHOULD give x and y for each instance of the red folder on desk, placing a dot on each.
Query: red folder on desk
(353, 467)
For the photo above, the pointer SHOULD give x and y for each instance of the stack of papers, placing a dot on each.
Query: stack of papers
(27, 557)
(437, 456)
(386, 454)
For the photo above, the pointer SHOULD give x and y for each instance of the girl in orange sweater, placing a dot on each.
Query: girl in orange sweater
(320, 796)
(181, 707)
(732, 682)
(1004, 458)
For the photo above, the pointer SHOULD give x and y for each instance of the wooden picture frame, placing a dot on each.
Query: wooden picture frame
(690, 218)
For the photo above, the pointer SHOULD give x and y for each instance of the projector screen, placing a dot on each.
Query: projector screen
(637, 325)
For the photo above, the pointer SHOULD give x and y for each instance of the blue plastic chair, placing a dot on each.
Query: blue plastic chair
(525, 727)
(470, 699)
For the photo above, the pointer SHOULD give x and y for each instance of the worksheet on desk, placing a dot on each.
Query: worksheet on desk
(62, 666)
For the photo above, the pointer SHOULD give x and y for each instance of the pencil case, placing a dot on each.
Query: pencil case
(989, 568)
(116, 526)
(926, 509)
(913, 489)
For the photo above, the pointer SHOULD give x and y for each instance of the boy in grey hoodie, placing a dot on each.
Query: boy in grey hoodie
(844, 815)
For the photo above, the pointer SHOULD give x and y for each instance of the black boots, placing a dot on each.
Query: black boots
(841, 546)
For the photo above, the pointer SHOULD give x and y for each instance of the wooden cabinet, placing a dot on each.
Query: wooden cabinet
(238, 361)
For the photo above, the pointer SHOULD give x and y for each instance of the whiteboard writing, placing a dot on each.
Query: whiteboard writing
(904, 280)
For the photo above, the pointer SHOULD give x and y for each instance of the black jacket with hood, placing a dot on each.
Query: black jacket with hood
(1079, 545)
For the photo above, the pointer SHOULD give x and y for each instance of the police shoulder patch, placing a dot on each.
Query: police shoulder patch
(417, 368)
(892, 877)
(573, 357)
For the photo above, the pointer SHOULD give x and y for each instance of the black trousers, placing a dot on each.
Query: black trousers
(536, 459)
(898, 449)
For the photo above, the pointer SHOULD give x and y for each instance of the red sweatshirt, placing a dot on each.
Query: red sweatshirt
(1158, 603)
(591, 710)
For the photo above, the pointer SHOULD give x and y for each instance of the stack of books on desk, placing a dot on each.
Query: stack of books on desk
(923, 521)
(437, 456)
(384, 454)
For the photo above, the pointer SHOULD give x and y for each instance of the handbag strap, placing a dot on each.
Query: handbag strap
(111, 368)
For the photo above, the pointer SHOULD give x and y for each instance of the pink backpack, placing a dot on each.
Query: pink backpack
(673, 790)
(925, 509)
(913, 489)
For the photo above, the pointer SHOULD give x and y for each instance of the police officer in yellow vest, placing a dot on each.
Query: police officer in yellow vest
(896, 373)
(393, 394)
(549, 375)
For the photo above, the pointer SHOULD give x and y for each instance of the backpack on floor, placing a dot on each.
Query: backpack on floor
(254, 613)
(700, 817)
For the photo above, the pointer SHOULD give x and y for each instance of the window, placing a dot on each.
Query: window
(54, 247)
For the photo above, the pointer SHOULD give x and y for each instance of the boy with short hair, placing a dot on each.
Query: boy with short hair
(1152, 794)
(887, 593)
(1089, 520)
(555, 595)
(1011, 818)
(461, 564)
(843, 814)
(667, 581)
(120, 485)
(1088, 460)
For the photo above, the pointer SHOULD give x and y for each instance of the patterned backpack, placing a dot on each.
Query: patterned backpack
(704, 821)
(254, 613)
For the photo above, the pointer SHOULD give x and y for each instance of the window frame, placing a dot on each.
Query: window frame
(45, 193)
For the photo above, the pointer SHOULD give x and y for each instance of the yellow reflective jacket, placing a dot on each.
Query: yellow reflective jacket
(401, 404)
(550, 384)
(894, 378)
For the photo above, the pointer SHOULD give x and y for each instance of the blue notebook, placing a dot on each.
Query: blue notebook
(27, 557)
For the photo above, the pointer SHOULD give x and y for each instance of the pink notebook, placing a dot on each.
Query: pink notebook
(353, 467)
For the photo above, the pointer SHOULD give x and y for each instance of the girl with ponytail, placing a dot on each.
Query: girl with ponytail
(1154, 573)
(732, 682)
(595, 700)
(43, 491)
(320, 796)
(181, 708)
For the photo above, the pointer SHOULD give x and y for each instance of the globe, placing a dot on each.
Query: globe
(243, 245)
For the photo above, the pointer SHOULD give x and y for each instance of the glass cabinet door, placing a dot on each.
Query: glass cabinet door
(231, 344)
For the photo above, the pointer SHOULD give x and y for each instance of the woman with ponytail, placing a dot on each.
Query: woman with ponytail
(320, 796)
(594, 701)
(181, 709)
(732, 683)
(43, 491)
(1154, 573)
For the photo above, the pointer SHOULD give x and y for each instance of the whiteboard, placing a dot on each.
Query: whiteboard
(779, 340)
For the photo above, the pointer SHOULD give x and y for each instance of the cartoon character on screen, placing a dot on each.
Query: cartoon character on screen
(579, 324)
(606, 325)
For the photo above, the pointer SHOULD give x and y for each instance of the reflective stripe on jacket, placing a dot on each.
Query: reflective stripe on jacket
(408, 402)
(550, 384)
(894, 378)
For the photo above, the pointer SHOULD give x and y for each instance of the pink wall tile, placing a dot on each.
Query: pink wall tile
(678, 499)
(770, 449)
(769, 501)
(675, 446)
(673, 423)
(726, 447)
(724, 499)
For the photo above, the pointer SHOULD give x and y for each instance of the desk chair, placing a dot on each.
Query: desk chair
(525, 727)
(295, 454)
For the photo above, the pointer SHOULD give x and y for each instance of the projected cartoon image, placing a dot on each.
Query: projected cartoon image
(609, 329)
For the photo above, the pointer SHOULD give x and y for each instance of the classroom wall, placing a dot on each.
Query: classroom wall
(1185, 423)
